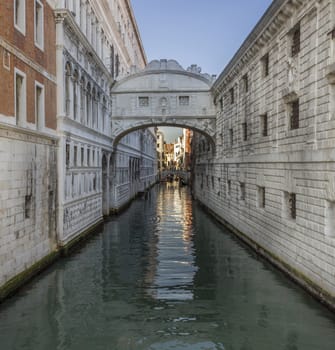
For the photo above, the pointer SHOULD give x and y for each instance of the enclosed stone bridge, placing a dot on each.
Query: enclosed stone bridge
(164, 94)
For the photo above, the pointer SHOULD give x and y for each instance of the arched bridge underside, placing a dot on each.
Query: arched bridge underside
(164, 94)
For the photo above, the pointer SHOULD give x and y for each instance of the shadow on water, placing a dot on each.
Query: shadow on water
(164, 275)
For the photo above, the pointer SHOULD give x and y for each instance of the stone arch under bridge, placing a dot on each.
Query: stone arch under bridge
(164, 94)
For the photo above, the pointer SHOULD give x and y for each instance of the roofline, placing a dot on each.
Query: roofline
(166, 71)
(137, 32)
(255, 33)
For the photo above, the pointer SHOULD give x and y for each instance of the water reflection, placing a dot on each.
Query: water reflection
(175, 268)
(163, 275)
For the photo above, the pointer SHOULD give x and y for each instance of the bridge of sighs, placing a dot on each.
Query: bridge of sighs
(164, 94)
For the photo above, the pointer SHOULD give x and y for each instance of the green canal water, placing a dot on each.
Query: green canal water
(164, 275)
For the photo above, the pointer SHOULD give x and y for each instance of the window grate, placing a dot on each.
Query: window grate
(265, 63)
(232, 97)
(292, 205)
(245, 131)
(294, 115)
(295, 48)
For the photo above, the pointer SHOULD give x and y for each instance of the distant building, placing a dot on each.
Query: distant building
(169, 155)
(187, 141)
(160, 149)
(178, 156)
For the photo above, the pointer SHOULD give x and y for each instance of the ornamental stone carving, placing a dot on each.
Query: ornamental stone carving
(169, 109)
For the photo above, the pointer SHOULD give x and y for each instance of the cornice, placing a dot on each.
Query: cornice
(136, 30)
(266, 28)
(65, 16)
(163, 71)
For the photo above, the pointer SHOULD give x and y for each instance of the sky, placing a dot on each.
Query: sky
(203, 32)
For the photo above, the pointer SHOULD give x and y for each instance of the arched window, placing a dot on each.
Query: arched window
(67, 87)
(94, 108)
(117, 65)
(88, 105)
(112, 61)
(104, 113)
(82, 101)
(75, 95)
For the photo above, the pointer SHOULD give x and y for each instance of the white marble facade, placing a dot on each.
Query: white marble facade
(97, 44)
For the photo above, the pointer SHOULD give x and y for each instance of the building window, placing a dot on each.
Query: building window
(245, 83)
(39, 27)
(232, 96)
(221, 104)
(184, 100)
(295, 40)
(20, 15)
(143, 101)
(242, 191)
(228, 187)
(261, 197)
(20, 97)
(231, 137)
(330, 219)
(264, 124)
(294, 114)
(39, 106)
(245, 131)
(212, 182)
(265, 65)
(117, 65)
(88, 157)
(290, 205)
(75, 155)
(67, 155)
(28, 206)
(82, 156)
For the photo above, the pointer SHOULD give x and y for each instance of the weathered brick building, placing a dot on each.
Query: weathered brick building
(27, 135)
(61, 169)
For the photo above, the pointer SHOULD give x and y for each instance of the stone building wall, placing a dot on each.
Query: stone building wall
(271, 175)
(28, 180)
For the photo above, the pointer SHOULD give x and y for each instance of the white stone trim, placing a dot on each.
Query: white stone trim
(37, 44)
(40, 123)
(20, 122)
(16, 26)
(7, 119)
(21, 56)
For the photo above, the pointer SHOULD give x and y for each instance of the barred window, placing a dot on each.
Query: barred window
(295, 43)
(67, 155)
(242, 191)
(264, 124)
(184, 100)
(231, 136)
(265, 65)
(245, 131)
(294, 114)
(143, 101)
(245, 83)
(290, 205)
(232, 97)
(261, 197)
(221, 103)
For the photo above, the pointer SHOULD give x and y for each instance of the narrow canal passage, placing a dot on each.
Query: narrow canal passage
(164, 275)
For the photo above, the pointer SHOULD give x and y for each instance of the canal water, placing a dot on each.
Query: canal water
(164, 275)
